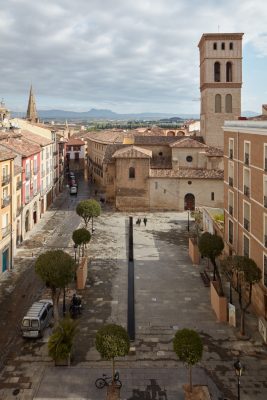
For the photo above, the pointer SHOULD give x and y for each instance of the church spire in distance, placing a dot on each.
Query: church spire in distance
(31, 111)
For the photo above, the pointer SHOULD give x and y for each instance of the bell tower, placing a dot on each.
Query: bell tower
(220, 83)
(31, 111)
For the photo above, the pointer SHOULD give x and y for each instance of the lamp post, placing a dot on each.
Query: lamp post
(238, 371)
(75, 251)
(188, 213)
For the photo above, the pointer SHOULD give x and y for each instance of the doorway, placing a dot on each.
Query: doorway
(189, 202)
(5, 260)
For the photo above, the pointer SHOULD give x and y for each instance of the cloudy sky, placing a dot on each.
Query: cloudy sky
(124, 55)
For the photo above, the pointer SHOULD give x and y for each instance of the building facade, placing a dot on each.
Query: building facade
(245, 197)
(220, 83)
(75, 154)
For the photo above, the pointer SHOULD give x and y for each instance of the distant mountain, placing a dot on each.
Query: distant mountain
(94, 114)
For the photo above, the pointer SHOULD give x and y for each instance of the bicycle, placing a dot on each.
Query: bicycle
(107, 381)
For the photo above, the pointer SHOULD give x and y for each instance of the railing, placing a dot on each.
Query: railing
(231, 181)
(5, 231)
(19, 209)
(246, 190)
(5, 179)
(19, 185)
(265, 240)
(246, 224)
(231, 154)
(246, 159)
(6, 201)
(231, 210)
(265, 201)
(27, 175)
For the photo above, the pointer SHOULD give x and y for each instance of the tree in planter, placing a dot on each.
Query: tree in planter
(88, 209)
(188, 347)
(56, 268)
(198, 217)
(112, 341)
(211, 246)
(61, 341)
(81, 237)
(243, 273)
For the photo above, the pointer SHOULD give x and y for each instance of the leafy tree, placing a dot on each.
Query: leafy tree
(198, 217)
(243, 273)
(112, 341)
(211, 246)
(61, 341)
(56, 268)
(88, 209)
(188, 347)
(81, 237)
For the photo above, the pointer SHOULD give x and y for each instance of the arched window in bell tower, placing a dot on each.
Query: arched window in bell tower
(217, 72)
(229, 72)
(218, 103)
(228, 103)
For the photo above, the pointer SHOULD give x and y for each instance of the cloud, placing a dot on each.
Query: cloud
(137, 55)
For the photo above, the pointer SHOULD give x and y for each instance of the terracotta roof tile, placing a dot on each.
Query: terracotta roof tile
(132, 152)
(187, 173)
(188, 143)
(21, 146)
(75, 142)
(214, 152)
(33, 137)
(110, 150)
(6, 154)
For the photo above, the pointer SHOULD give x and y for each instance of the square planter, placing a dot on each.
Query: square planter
(194, 253)
(218, 303)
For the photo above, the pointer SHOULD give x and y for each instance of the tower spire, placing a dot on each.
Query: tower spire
(31, 111)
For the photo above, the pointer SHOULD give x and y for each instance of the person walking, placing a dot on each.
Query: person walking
(145, 220)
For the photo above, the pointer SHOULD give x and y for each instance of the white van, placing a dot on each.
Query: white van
(37, 319)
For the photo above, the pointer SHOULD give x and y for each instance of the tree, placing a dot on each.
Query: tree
(56, 268)
(81, 237)
(211, 246)
(88, 209)
(243, 273)
(188, 347)
(112, 341)
(61, 341)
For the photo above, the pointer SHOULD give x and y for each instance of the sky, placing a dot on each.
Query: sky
(124, 55)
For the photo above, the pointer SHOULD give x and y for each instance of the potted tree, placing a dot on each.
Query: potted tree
(81, 237)
(188, 347)
(88, 209)
(61, 341)
(194, 253)
(112, 341)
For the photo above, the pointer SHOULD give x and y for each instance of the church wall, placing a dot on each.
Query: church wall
(179, 157)
(168, 193)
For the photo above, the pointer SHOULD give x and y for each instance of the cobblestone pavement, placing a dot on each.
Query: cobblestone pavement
(169, 295)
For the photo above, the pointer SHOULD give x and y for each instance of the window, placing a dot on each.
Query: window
(246, 181)
(265, 269)
(231, 148)
(214, 46)
(131, 172)
(189, 158)
(231, 202)
(223, 46)
(246, 216)
(246, 152)
(229, 72)
(231, 173)
(265, 192)
(218, 103)
(160, 153)
(245, 246)
(212, 196)
(231, 46)
(217, 72)
(265, 232)
(230, 231)
(265, 157)
(228, 103)
(189, 182)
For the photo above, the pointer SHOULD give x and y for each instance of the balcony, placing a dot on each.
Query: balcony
(28, 175)
(35, 171)
(246, 191)
(6, 201)
(231, 154)
(231, 181)
(231, 210)
(19, 209)
(19, 185)
(246, 224)
(5, 179)
(246, 160)
(6, 231)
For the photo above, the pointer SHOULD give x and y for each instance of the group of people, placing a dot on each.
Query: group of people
(139, 221)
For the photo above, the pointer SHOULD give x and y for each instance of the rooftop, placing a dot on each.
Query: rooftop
(33, 137)
(244, 125)
(187, 173)
(21, 146)
(132, 152)
(6, 154)
(75, 142)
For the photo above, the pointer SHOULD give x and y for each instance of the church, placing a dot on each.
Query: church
(153, 170)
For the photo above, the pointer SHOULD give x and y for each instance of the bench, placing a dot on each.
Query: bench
(205, 278)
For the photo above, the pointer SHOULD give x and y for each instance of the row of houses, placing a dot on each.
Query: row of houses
(31, 176)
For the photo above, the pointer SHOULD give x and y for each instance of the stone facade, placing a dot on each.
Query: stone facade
(245, 197)
(220, 83)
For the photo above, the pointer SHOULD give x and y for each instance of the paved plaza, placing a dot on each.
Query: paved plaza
(169, 295)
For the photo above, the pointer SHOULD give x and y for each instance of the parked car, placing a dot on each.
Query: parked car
(73, 190)
(37, 319)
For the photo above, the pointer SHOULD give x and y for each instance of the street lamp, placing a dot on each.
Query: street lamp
(75, 251)
(188, 214)
(238, 371)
